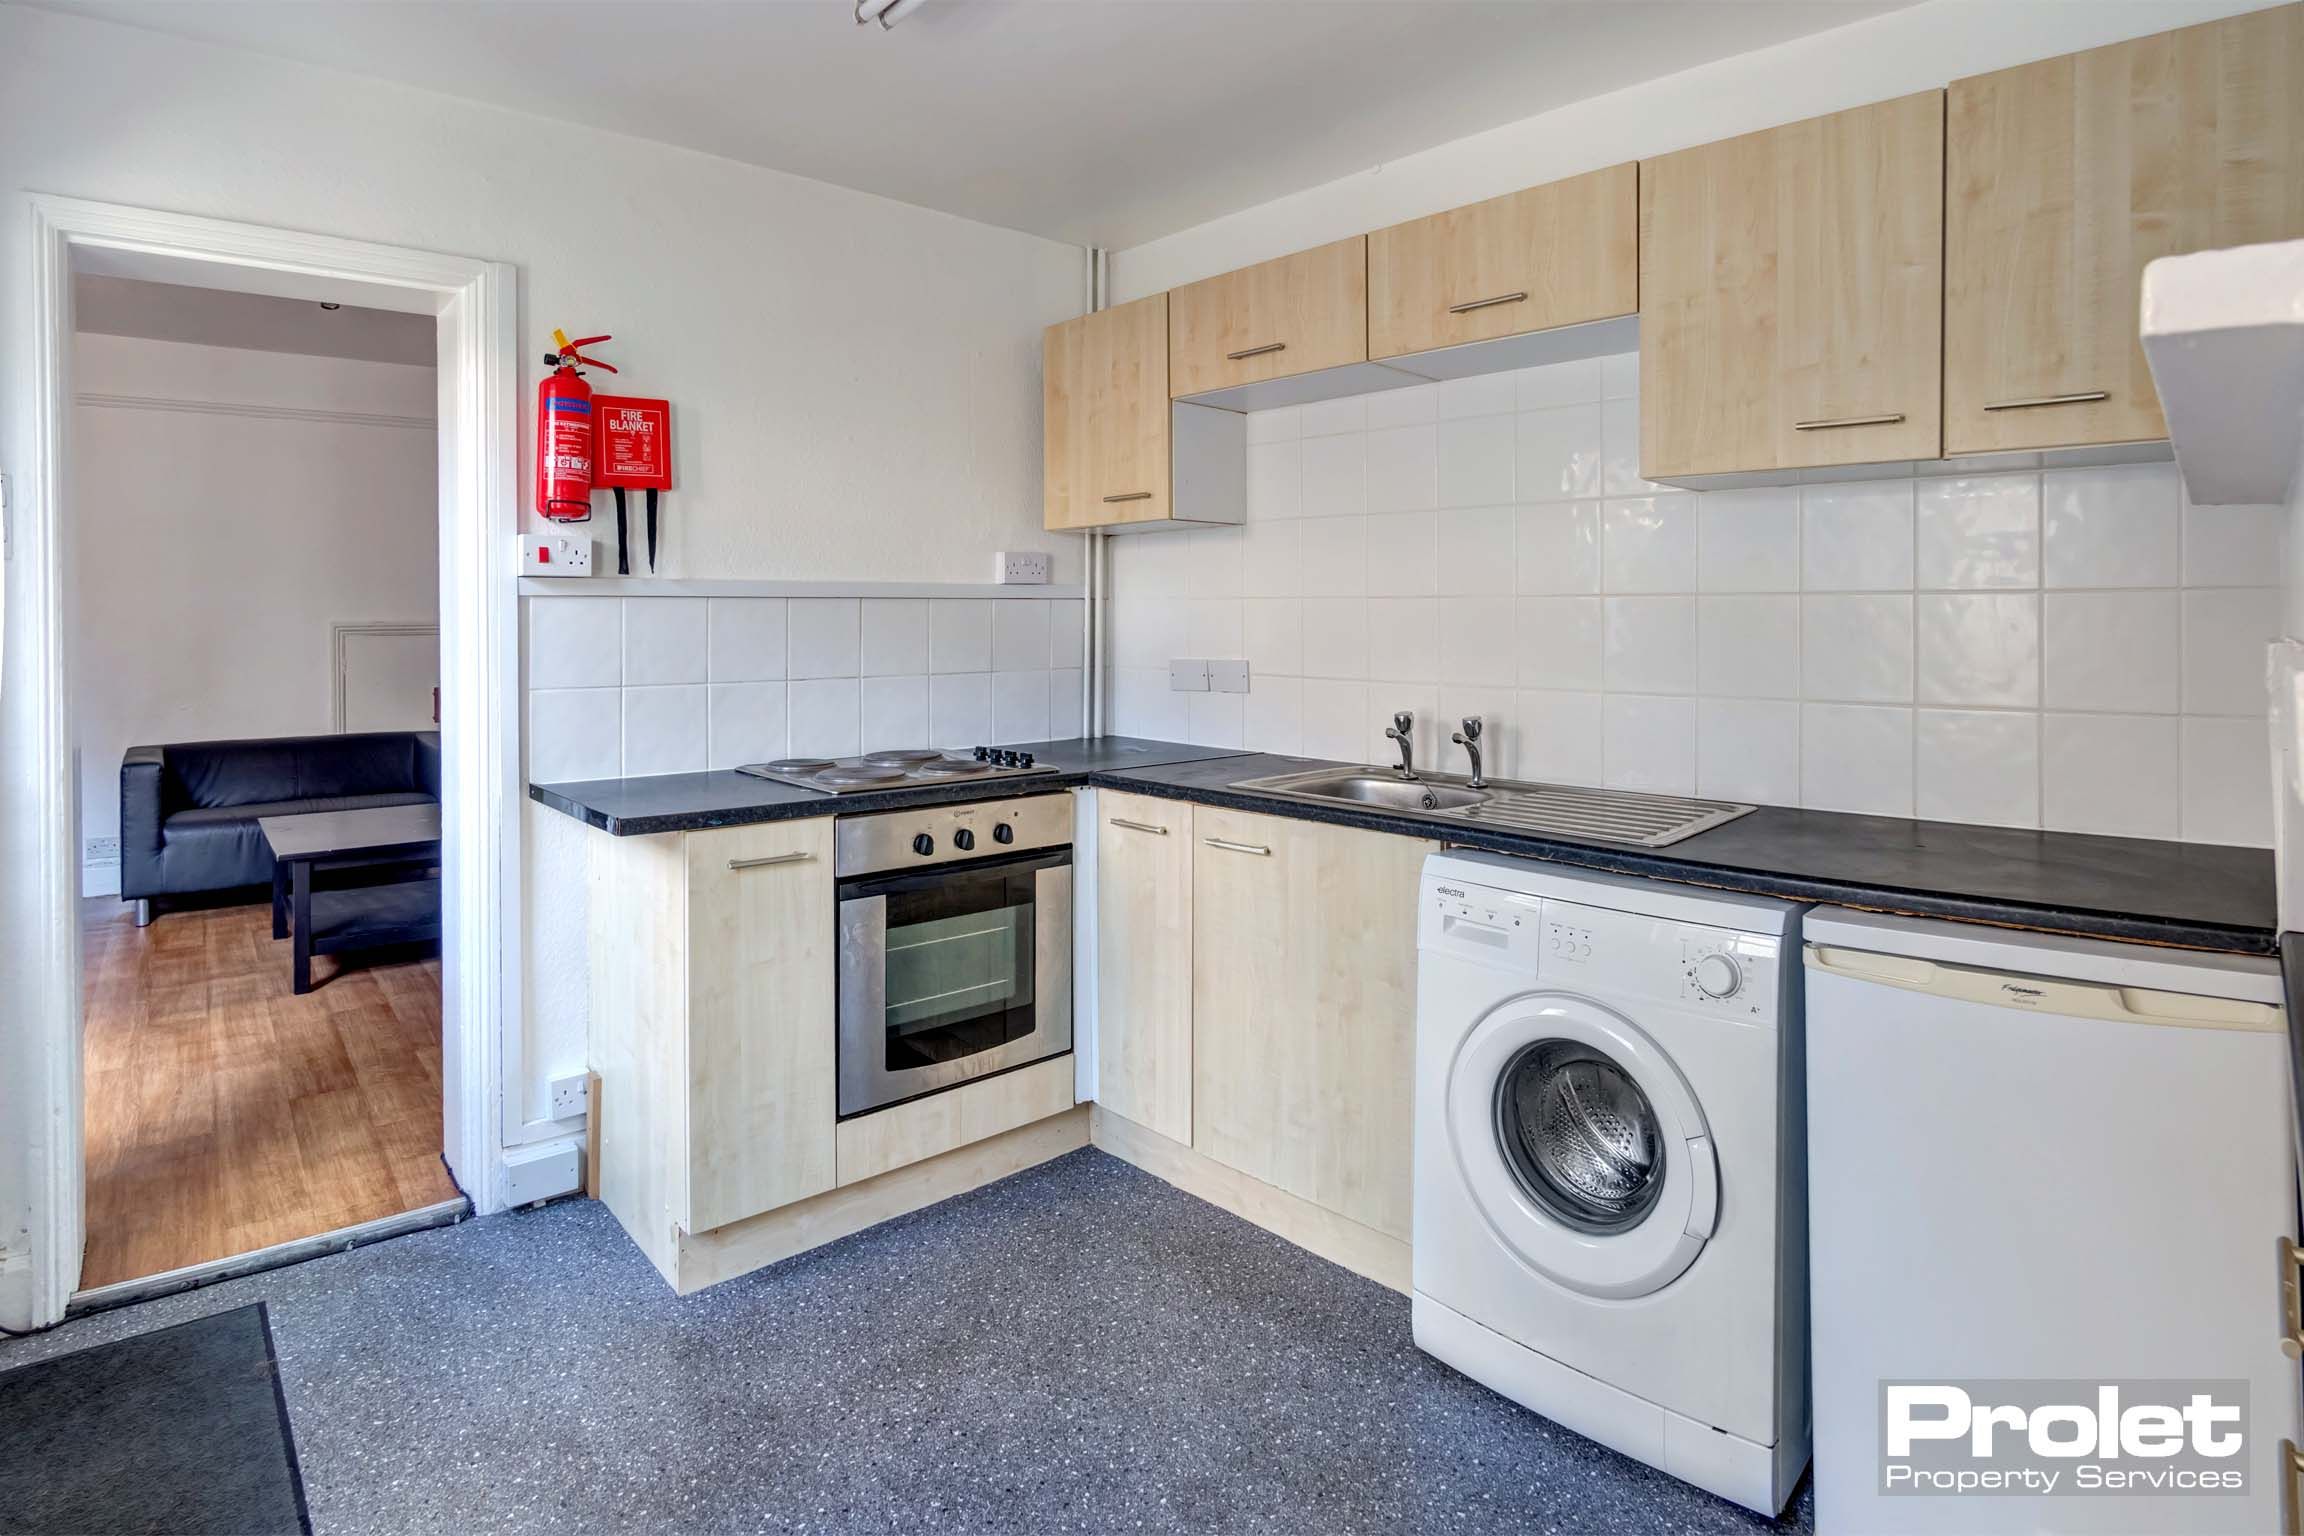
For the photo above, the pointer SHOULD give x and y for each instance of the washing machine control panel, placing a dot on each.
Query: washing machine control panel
(1726, 972)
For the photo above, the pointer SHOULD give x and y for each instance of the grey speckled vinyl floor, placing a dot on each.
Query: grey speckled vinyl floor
(1078, 1348)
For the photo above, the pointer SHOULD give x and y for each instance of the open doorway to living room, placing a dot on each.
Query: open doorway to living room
(254, 517)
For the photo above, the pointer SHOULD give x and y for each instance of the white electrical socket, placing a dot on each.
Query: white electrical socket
(570, 1096)
(554, 554)
(1187, 677)
(1021, 567)
(102, 850)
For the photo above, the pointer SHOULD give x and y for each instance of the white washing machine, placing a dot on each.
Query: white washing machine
(1609, 1219)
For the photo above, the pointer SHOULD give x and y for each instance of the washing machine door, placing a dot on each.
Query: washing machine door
(1582, 1145)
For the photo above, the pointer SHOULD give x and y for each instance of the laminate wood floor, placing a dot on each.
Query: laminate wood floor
(225, 1113)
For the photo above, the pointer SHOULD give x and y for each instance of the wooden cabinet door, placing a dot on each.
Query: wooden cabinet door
(1291, 315)
(761, 1032)
(1104, 398)
(1791, 295)
(1144, 961)
(1304, 1008)
(2065, 178)
(1552, 255)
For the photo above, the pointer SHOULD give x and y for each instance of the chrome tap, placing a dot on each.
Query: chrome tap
(1469, 739)
(1402, 727)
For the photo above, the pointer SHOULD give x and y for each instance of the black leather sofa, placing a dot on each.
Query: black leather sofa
(188, 812)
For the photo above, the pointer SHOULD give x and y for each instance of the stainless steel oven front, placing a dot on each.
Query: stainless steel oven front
(955, 945)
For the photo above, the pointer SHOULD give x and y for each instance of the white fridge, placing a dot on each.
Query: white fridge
(2039, 1167)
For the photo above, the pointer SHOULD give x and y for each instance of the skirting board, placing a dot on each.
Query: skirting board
(1338, 1239)
(707, 1258)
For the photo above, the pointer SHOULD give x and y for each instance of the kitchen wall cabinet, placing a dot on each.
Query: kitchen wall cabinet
(1304, 1008)
(1292, 315)
(1791, 295)
(1144, 961)
(1104, 393)
(2064, 178)
(1560, 254)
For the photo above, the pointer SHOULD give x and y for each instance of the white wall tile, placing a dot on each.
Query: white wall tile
(1559, 643)
(1620, 450)
(1980, 648)
(960, 629)
(2114, 774)
(1335, 719)
(826, 637)
(575, 734)
(1335, 555)
(1560, 735)
(1748, 749)
(1482, 394)
(1476, 461)
(894, 636)
(894, 713)
(1323, 417)
(1649, 644)
(1556, 384)
(1272, 637)
(1979, 531)
(1749, 541)
(1275, 481)
(1271, 560)
(2227, 766)
(2111, 527)
(747, 639)
(1064, 704)
(1979, 766)
(960, 709)
(747, 724)
(1857, 648)
(2225, 635)
(1477, 644)
(1212, 627)
(2234, 546)
(1279, 424)
(1020, 706)
(1271, 715)
(1476, 550)
(1648, 544)
(1748, 646)
(1559, 547)
(1856, 757)
(1146, 632)
(1403, 469)
(1335, 476)
(2110, 651)
(824, 717)
(1648, 743)
(1404, 639)
(1404, 554)
(1020, 632)
(1065, 620)
(1856, 536)
(1620, 376)
(666, 727)
(1559, 454)
(664, 640)
(1336, 637)
(1216, 563)
(1414, 405)
(1142, 705)
(1216, 719)
(575, 642)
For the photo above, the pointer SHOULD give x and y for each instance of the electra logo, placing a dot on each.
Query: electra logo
(1448, 890)
(2063, 1437)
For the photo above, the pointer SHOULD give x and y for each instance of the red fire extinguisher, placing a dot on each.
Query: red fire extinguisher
(564, 431)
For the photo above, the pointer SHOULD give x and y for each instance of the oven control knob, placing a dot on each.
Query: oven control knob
(1718, 976)
(1003, 833)
(1024, 760)
(983, 753)
(963, 839)
(923, 845)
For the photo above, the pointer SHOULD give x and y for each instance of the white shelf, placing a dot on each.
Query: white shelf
(2224, 333)
(684, 586)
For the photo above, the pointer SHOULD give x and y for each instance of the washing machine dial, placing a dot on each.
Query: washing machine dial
(1718, 975)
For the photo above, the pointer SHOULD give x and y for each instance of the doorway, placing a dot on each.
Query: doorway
(469, 307)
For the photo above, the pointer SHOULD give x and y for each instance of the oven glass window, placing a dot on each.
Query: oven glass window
(959, 967)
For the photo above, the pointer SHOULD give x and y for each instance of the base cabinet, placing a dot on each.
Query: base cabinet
(1144, 961)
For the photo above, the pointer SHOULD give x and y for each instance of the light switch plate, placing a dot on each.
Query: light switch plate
(1187, 677)
(1021, 567)
(1228, 677)
(554, 554)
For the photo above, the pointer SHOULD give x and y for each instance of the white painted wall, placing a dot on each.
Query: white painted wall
(224, 537)
(1917, 49)
(856, 382)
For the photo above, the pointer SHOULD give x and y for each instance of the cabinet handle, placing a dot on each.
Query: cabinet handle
(2081, 397)
(1888, 419)
(2291, 1304)
(2292, 1511)
(1470, 305)
(1131, 496)
(1139, 826)
(1270, 346)
(1231, 847)
(773, 858)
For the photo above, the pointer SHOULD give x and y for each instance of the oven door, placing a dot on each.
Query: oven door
(952, 974)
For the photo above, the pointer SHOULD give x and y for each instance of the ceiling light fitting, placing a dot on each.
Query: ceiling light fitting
(885, 12)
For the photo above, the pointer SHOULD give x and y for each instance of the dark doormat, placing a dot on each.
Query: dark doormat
(184, 1429)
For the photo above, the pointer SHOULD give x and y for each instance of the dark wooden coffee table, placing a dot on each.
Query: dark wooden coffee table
(354, 880)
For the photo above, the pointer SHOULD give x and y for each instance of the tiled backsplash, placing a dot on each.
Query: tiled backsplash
(2073, 649)
(644, 685)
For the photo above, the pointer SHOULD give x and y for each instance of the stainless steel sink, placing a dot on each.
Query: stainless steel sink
(1507, 805)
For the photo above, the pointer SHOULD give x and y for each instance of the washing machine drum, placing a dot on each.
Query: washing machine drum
(1583, 1146)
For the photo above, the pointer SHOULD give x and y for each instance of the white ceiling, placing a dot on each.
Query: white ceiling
(213, 317)
(1104, 122)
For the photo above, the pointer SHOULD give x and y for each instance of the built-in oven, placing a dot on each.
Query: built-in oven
(955, 945)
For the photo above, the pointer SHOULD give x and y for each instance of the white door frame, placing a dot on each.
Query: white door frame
(481, 793)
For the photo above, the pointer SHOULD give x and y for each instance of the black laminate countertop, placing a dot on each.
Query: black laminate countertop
(2199, 896)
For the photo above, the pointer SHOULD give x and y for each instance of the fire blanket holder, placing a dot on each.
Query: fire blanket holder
(632, 450)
